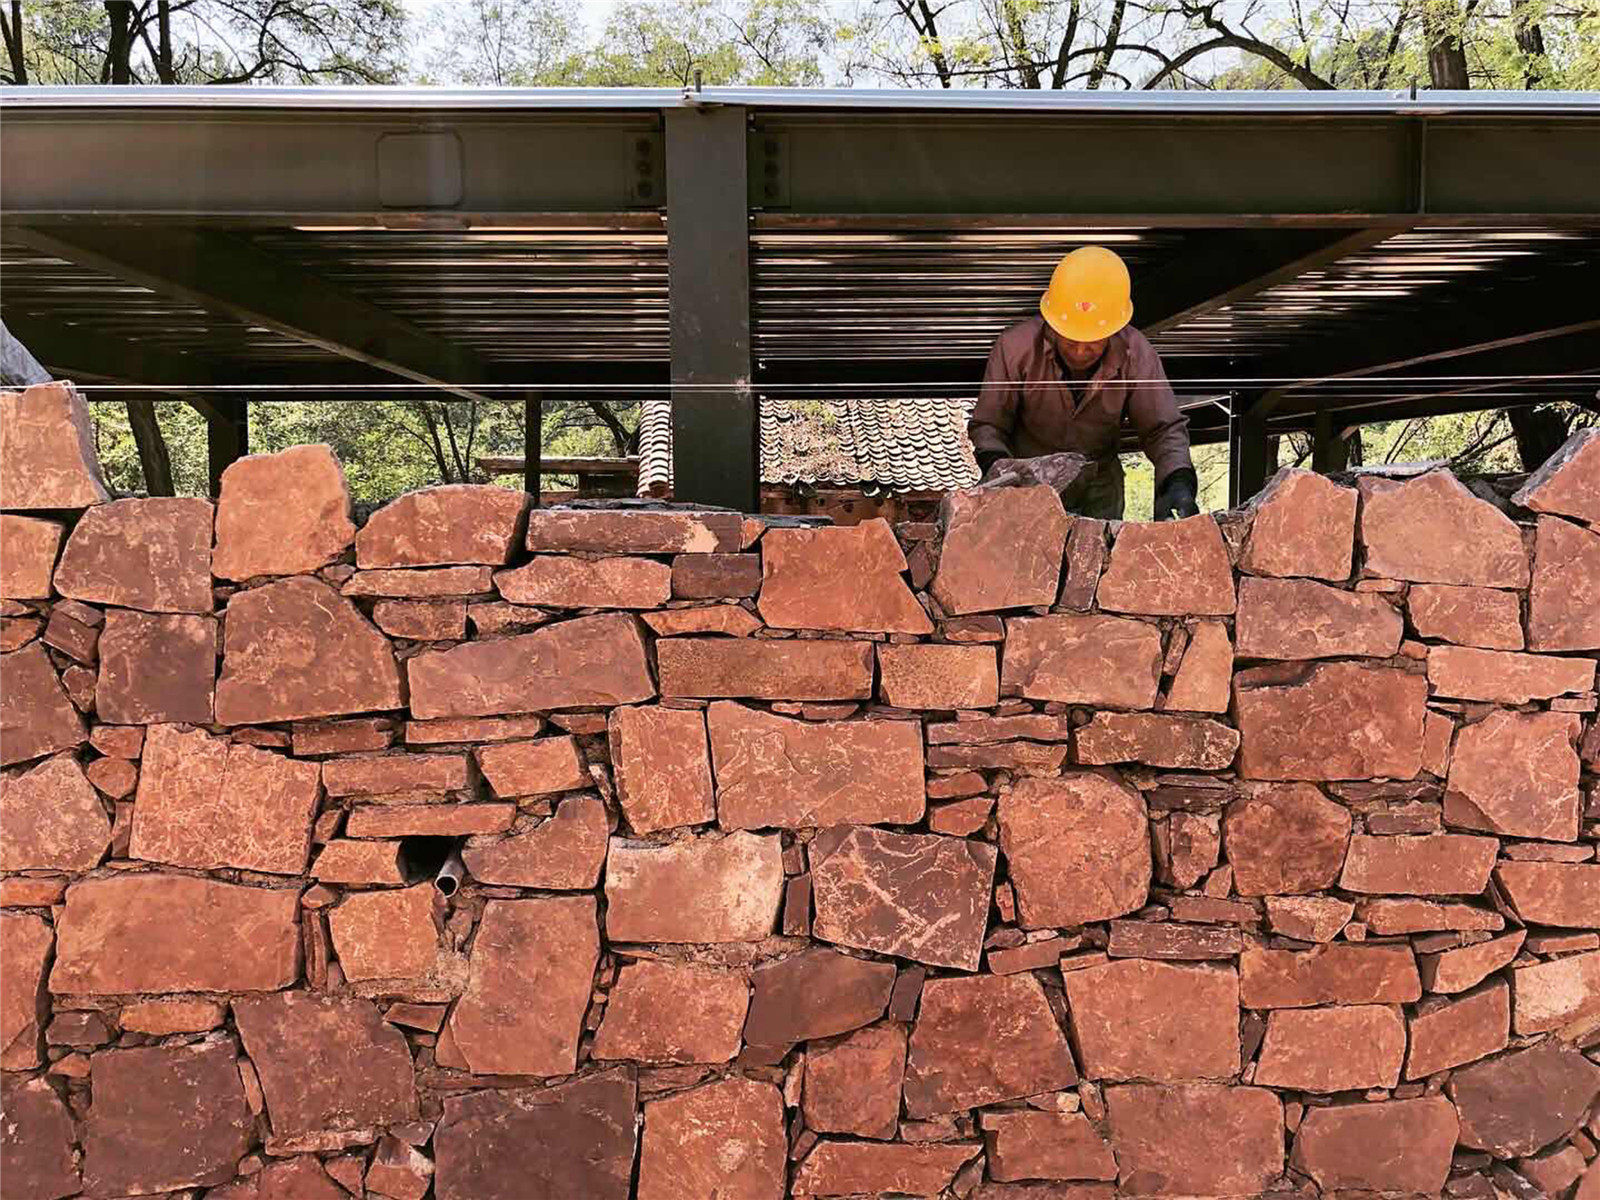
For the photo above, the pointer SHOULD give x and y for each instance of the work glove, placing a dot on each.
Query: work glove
(987, 459)
(1175, 498)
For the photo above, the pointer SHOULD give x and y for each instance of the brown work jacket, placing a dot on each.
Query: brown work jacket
(1029, 405)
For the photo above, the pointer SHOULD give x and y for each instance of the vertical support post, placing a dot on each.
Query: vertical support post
(1247, 451)
(715, 442)
(227, 438)
(1329, 451)
(533, 447)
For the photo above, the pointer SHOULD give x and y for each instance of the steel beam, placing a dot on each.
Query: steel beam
(715, 442)
(75, 351)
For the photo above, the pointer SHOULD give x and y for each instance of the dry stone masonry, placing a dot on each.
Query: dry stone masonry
(1010, 857)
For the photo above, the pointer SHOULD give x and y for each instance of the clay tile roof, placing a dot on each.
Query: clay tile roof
(898, 445)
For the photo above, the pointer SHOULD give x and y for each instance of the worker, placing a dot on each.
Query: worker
(1066, 379)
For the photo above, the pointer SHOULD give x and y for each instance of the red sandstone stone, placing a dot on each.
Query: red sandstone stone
(295, 649)
(471, 729)
(422, 620)
(1141, 1019)
(36, 718)
(1564, 601)
(114, 778)
(662, 766)
(765, 670)
(385, 934)
(1086, 558)
(843, 577)
(156, 667)
(1393, 1146)
(535, 768)
(938, 677)
(1552, 893)
(916, 896)
(1169, 568)
(1431, 529)
(662, 1012)
(715, 576)
(420, 582)
(633, 531)
(562, 853)
(725, 1140)
(1337, 973)
(384, 774)
(1001, 548)
(961, 817)
(490, 618)
(1505, 677)
(25, 948)
(36, 1140)
(207, 802)
(363, 1075)
(343, 737)
(1299, 618)
(1335, 720)
(442, 526)
(1190, 743)
(729, 619)
(1448, 1033)
(509, 1145)
(1302, 524)
(174, 933)
(590, 660)
(428, 820)
(1458, 969)
(1520, 1102)
(1467, 616)
(1308, 918)
(162, 1017)
(47, 455)
(1039, 727)
(1555, 994)
(1449, 863)
(148, 554)
(1098, 660)
(778, 772)
(75, 639)
(816, 993)
(52, 819)
(399, 1171)
(1286, 838)
(556, 581)
(1203, 678)
(841, 1168)
(532, 970)
(1024, 758)
(17, 632)
(1189, 848)
(1516, 774)
(1195, 1139)
(1077, 848)
(853, 1085)
(705, 890)
(1165, 939)
(126, 741)
(981, 1039)
(1566, 483)
(1387, 917)
(31, 545)
(165, 1118)
(281, 514)
(1332, 1049)
(1046, 1145)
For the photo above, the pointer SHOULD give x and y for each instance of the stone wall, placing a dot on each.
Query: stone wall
(1247, 855)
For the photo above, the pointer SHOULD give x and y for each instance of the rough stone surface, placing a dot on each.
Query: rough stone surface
(47, 455)
(707, 890)
(715, 576)
(1046, 1145)
(661, 1012)
(1300, 619)
(443, 526)
(36, 1141)
(1516, 774)
(916, 896)
(420, 583)
(165, 1118)
(1555, 994)
(736, 668)
(1001, 548)
(779, 772)
(391, 774)
(1393, 1146)
(364, 1076)
(1169, 568)
(1520, 1102)
(637, 531)
(842, 1168)
(1308, 918)
(1195, 1139)
(1505, 677)
(281, 514)
(1338, 973)
(207, 802)
(398, 1170)
(725, 1140)
(727, 619)
(385, 934)
(296, 649)
(535, 768)
(1189, 743)
(150, 554)
(1457, 969)
(1099, 660)
(853, 1085)
(555, 581)
(938, 677)
(562, 853)
(840, 577)
(1435, 863)
(422, 620)
(1552, 893)
(1564, 601)
(1303, 524)
(1140, 1019)
(156, 667)
(161, 1017)
(513, 1144)
(1449, 1033)
(36, 718)
(27, 942)
(981, 1039)
(1203, 681)
(52, 819)
(1335, 720)
(30, 558)
(1466, 616)
(1332, 1049)
(1077, 848)
(590, 660)
(352, 861)
(428, 820)
(662, 765)
(174, 933)
(1568, 484)
(1431, 529)
(816, 993)
(1285, 838)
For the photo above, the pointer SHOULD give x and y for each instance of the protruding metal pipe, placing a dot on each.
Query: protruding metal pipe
(448, 880)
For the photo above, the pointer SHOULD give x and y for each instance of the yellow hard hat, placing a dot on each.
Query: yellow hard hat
(1090, 295)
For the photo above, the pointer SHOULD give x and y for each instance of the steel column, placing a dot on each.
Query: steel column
(1329, 451)
(1247, 452)
(715, 443)
(533, 447)
(227, 437)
